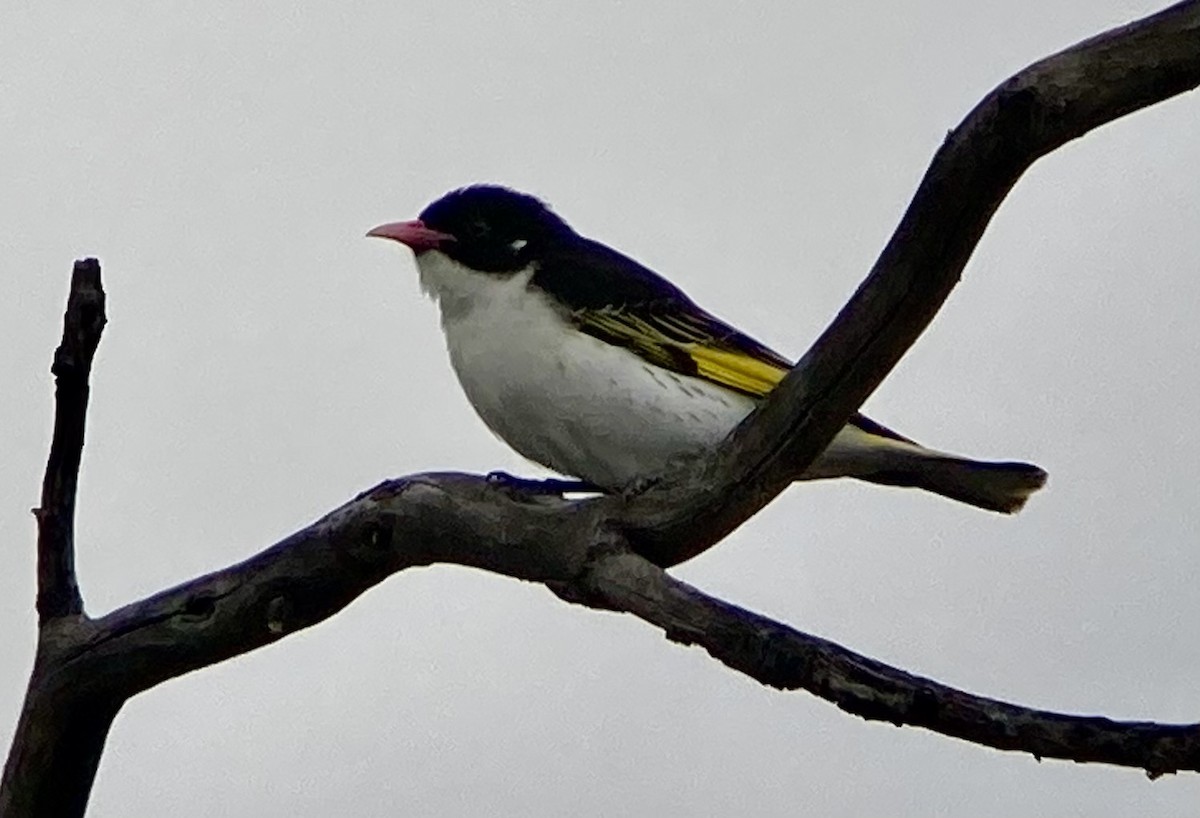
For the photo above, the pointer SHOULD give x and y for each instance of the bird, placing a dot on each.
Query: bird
(596, 367)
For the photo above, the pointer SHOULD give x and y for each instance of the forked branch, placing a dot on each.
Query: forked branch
(607, 552)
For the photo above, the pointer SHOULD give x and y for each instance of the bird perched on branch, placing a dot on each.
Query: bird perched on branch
(589, 363)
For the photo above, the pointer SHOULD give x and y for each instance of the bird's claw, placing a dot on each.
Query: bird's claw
(529, 486)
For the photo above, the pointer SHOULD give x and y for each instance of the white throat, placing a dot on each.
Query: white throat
(461, 291)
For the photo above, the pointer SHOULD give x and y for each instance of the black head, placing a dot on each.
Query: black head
(499, 231)
(495, 229)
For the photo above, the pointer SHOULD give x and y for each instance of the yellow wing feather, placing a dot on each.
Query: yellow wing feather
(695, 344)
(736, 369)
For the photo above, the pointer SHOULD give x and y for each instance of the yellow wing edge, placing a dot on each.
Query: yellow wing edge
(736, 370)
(717, 361)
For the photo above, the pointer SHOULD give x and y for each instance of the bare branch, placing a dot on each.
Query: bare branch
(604, 552)
(58, 591)
(314, 573)
(463, 519)
(1044, 106)
(65, 720)
(787, 659)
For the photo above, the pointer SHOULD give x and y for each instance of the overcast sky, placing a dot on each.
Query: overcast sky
(264, 362)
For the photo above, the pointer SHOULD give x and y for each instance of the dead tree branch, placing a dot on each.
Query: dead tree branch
(607, 552)
(1026, 117)
(58, 592)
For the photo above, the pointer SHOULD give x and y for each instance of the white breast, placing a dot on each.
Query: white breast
(562, 398)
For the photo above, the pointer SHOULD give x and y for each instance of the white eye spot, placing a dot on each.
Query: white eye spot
(518, 245)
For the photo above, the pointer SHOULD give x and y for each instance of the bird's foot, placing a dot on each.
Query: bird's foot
(640, 485)
(548, 486)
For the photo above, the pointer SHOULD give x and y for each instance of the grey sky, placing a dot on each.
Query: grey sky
(264, 362)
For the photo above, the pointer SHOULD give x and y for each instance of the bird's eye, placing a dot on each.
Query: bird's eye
(478, 229)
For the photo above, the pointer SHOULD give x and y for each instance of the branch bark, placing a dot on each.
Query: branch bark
(83, 322)
(608, 552)
(62, 728)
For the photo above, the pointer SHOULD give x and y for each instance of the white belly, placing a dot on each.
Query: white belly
(562, 398)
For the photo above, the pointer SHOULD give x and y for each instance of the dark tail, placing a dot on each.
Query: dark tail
(1002, 487)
